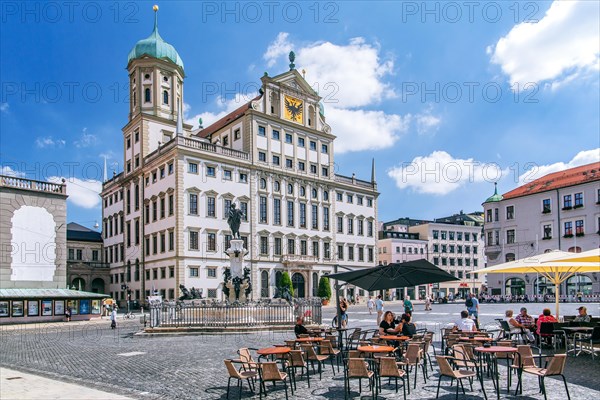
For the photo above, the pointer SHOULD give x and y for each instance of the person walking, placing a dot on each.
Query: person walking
(370, 305)
(113, 318)
(472, 305)
(427, 303)
(379, 308)
(68, 314)
(408, 305)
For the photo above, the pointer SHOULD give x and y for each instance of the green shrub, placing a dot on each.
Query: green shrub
(324, 290)
(286, 281)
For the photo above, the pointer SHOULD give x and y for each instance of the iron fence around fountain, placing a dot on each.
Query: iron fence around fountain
(212, 314)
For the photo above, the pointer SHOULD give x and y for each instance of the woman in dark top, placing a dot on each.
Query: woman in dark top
(388, 326)
(408, 328)
(300, 329)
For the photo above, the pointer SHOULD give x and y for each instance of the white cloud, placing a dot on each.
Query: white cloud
(427, 123)
(49, 142)
(582, 158)
(562, 46)
(347, 76)
(4, 107)
(359, 130)
(8, 171)
(439, 173)
(277, 48)
(225, 106)
(86, 140)
(82, 193)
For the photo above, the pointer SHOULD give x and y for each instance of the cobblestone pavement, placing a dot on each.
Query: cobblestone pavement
(191, 366)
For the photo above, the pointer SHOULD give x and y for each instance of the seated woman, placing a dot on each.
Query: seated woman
(300, 329)
(545, 317)
(388, 325)
(516, 327)
(408, 328)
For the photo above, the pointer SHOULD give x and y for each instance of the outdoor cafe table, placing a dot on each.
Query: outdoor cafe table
(375, 349)
(476, 339)
(273, 351)
(309, 339)
(573, 331)
(493, 351)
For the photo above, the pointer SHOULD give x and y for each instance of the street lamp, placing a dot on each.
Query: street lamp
(126, 287)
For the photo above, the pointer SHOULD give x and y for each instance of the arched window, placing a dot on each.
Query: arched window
(276, 186)
(326, 195)
(515, 286)
(78, 284)
(264, 284)
(278, 278)
(165, 97)
(298, 284)
(263, 183)
(147, 95)
(314, 193)
(543, 286)
(302, 191)
(579, 283)
(290, 188)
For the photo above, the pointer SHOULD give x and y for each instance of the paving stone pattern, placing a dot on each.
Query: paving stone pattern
(191, 366)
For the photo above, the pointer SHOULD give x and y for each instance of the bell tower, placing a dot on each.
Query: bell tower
(156, 96)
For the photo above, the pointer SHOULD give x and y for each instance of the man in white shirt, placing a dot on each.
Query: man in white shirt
(465, 324)
(379, 308)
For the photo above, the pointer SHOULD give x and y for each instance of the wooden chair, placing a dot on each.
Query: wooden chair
(389, 369)
(556, 367)
(296, 360)
(447, 371)
(525, 359)
(357, 369)
(327, 349)
(248, 362)
(333, 339)
(242, 375)
(269, 372)
(313, 357)
(413, 357)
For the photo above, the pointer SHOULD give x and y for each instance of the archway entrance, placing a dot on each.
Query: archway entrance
(98, 285)
(515, 286)
(298, 284)
(579, 284)
(78, 284)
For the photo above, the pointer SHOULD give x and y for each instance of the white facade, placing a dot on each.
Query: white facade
(565, 218)
(168, 208)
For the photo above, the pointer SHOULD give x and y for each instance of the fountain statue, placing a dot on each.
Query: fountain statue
(236, 287)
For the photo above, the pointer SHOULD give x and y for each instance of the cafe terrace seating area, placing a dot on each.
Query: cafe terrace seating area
(355, 363)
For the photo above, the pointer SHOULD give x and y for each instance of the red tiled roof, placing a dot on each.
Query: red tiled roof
(229, 118)
(556, 180)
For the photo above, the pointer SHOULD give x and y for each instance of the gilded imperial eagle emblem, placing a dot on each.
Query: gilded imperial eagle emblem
(293, 109)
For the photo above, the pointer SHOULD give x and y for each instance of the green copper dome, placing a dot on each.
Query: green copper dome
(155, 46)
(495, 197)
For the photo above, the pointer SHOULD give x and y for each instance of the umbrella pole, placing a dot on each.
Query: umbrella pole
(557, 297)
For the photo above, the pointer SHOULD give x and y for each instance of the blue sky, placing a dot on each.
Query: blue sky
(448, 97)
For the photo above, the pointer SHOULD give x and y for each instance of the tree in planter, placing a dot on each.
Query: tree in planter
(286, 282)
(324, 290)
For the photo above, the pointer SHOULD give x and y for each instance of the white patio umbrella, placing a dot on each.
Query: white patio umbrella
(556, 266)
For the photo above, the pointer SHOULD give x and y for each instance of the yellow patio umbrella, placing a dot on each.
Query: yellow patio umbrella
(556, 266)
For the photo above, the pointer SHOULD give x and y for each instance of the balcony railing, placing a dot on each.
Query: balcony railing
(91, 264)
(353, 181)
(295, 258)
(29, 184)
(213, 148)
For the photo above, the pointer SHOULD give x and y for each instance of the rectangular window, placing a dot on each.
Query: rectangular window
(302, 215)
(193, 240)
(450, 235)
(488, 215)
(236, 134)
(567, 202)
(193, 204)
(226, 207)
(162, 207)
(277, 246)
(467, 236)
(301, 166)
(170, 168)
(496, 215)
(225, 140)
(171, 204)
(350, 253)
(211, 272)
(193, 272)
(325, 218)
(227, 174)
(361, 254)
(579, 227)
(275, 134)
(315, 216)
(436, 234)
(303, 248)
(289, 163)
(370, 254)
(276, 160)
(313, 145)
(326, 250)
(578, 200)
(262, 156)
(288, 138)
(497, 238)
(154, 210)
(211, 171)
(244, 209)
(261, 131)
(211, 207)
(154, 244)
(163, 246)
(350, 226)
(243, 177)
(547, 232)
(340, 252)
(510, 236)
(290, 213)
(227, 241)
(313, 169)
(324, 149)
(349, 198)
(263, 209)
(211, 241)
(193, 168)
(340, 224)
(171, 240)
(370, 228)
(300, 142)
(546, 208)
(338, 196)
(510, 212)
(291, 246)
(277, 211)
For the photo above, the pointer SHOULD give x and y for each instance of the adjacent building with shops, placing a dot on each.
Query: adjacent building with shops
(452, 243)
(559, 211)
(33, 255)
(86, 269)
(165, 215)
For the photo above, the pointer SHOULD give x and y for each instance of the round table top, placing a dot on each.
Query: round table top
(496, 349)
(375, 349)
(394, 337)
(273, 350)
(309, 339)
(475, 339)
(577, 328)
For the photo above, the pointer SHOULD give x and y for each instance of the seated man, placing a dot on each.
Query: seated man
(408, 328)
(465, 324)
(516, 327)
(300, 329)
(583, 315)
(525, 319)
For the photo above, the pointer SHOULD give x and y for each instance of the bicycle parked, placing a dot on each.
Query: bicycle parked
(129, 315)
